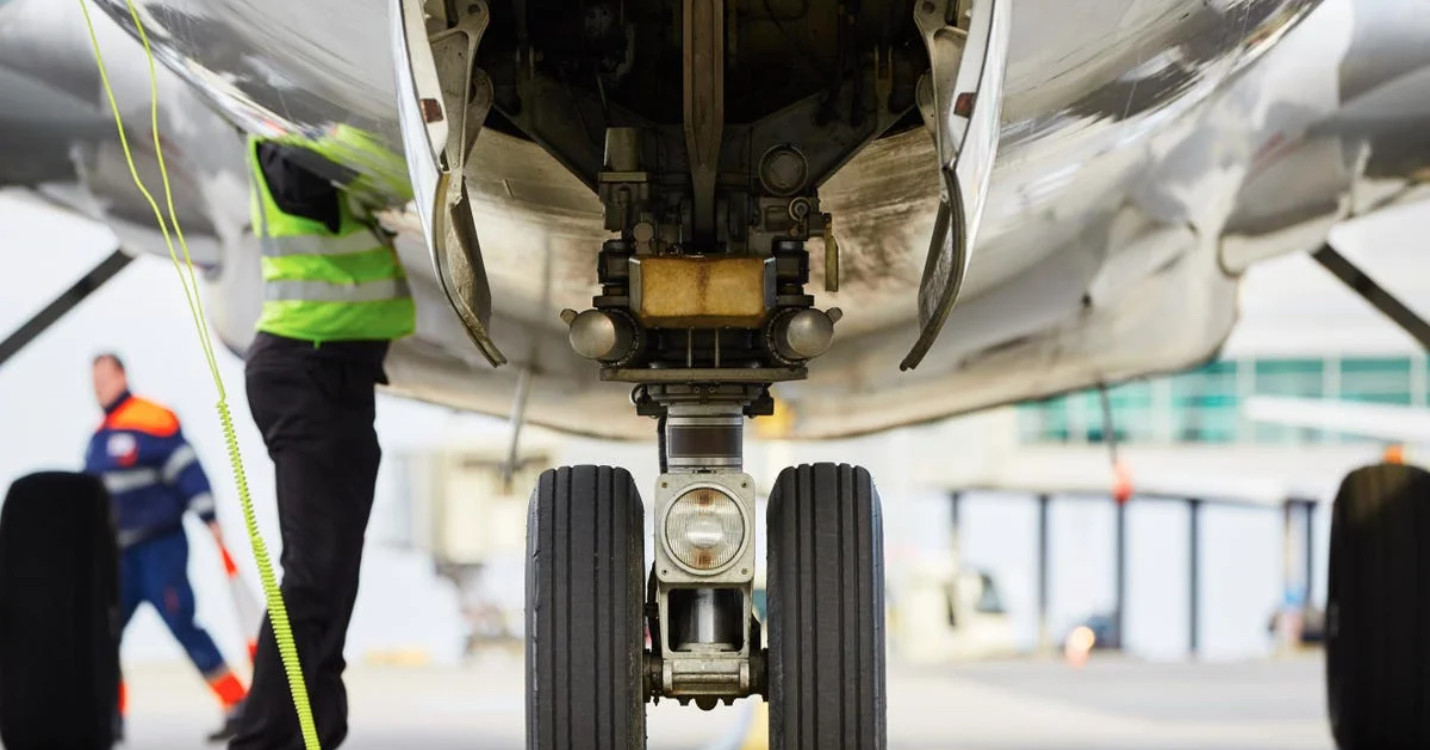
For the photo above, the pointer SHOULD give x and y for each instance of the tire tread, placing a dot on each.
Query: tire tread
(59, 614)
(1378, 606)
(585, 555)
(826, 605)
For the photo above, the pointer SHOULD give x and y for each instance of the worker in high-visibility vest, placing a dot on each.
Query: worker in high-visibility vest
(335, 295)
(154, 477)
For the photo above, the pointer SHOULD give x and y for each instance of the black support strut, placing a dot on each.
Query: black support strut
(1351, 275)
(67, 301)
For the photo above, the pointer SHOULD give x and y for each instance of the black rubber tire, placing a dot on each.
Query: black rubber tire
(826, 611)
(585, 641)
(1378, 610)
(59, 615)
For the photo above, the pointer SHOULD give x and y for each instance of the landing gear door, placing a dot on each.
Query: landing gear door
(962, 102)
(443, 99)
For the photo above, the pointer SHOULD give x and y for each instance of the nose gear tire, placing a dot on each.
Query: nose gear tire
(585, 639)
(826, 611)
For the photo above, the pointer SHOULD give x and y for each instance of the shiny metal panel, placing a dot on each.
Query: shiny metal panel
(966, 82)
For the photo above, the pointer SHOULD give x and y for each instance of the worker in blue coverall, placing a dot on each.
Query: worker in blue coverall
(154, 477)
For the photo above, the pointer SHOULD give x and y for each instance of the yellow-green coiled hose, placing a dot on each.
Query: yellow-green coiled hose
(277, 612)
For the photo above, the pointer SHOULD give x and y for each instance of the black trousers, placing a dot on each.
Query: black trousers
(315, 408)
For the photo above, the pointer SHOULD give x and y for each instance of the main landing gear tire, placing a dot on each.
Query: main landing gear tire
(1378, 610)
(585, 642)
(59, 615)
(826, 610)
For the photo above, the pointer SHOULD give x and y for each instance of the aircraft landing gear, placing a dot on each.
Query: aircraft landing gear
(588, 673)
(703, 306)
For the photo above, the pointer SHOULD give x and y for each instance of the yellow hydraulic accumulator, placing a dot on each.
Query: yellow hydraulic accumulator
(277, 612)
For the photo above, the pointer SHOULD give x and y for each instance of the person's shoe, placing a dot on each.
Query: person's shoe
(225, 732)
(230, 726)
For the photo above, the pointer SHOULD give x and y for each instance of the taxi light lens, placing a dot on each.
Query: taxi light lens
(705, 529)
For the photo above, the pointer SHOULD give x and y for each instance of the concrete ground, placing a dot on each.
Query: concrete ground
(1111, 704)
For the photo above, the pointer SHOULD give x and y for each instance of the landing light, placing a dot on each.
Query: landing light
(705, 530)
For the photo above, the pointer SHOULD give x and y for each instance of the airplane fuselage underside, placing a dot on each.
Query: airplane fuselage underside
(1109, 211)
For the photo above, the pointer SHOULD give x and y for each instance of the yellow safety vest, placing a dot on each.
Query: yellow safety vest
(320, 285)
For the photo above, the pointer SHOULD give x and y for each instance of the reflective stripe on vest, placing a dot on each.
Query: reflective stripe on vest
(322, 291)
(129, 480)
(202, 503)
(356, 242)
(179, 460)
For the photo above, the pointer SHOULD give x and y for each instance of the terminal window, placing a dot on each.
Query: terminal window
(1203, 405)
